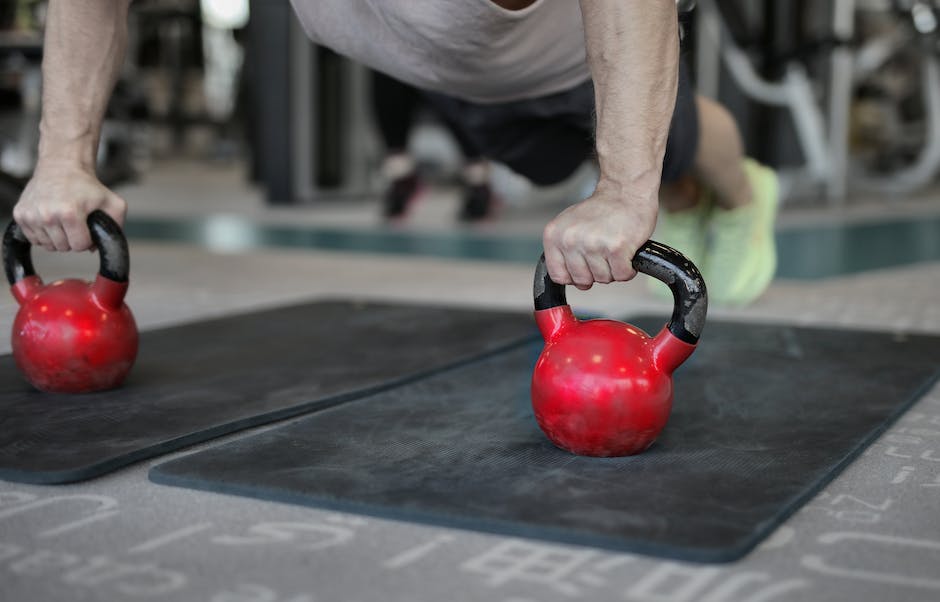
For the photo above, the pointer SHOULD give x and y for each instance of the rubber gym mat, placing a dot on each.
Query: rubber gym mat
(764, 417)
(201, 380)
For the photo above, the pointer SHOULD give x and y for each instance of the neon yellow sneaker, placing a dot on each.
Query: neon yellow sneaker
(684, 231)
(741, 260)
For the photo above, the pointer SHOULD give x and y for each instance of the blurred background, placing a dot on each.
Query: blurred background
(230, 130)
(256, 170)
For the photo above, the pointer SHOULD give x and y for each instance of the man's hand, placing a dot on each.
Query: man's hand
(55, 204)
(83, 50)
(633, 53)
(595, 240)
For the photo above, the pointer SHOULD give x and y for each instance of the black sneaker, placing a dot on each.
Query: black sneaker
(399, 195)
(478, 203)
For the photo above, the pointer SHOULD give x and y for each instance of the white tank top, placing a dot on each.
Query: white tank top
(471, 49)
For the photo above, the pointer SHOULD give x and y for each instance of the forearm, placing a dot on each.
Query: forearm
(633, 54)
(83, 51)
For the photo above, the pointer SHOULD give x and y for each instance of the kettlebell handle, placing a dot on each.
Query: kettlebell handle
(105, 233)
(661, 262)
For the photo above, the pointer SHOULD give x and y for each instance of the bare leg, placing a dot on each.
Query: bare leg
(718, 164)
(719, 158)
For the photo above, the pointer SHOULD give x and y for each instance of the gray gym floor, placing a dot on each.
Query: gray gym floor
(872, 534)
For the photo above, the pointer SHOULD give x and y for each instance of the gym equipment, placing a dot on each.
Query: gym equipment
(200, 380)
(72, 336)
(865, 44)
(761, 423)
(602, 387)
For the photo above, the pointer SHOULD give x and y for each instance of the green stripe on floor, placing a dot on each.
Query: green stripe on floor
(805, 253)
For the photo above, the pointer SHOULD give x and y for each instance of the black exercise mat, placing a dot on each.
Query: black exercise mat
(765, 416)
(206, 379)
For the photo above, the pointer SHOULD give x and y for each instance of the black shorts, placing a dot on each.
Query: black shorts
(545, 139)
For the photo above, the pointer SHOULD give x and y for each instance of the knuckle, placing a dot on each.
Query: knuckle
(550, 232)
(20, 215)
(617, 246)
(559, 276)
(592, 243)
(583, 279)
(115, 203)
(626, 276)
(68, 216)
(570, 239)
(48, 218)
(621, 275)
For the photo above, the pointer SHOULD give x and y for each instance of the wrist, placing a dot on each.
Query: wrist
(640, 191)
(66, 159)
(60, 149)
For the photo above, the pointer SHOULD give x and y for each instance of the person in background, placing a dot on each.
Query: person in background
(395, 106)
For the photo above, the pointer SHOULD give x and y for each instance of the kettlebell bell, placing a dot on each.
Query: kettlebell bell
(602, 387)
(73, 336)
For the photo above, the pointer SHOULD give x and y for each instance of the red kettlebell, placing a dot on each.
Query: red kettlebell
(73, 336)
(602, 387)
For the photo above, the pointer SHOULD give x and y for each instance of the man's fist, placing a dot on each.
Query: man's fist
(55, 204)
(595, 240)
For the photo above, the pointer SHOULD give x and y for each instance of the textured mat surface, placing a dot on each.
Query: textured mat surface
(202, 380)
(765, 415)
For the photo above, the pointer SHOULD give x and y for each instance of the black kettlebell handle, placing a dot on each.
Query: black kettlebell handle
(661, 262)
(106, 234)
